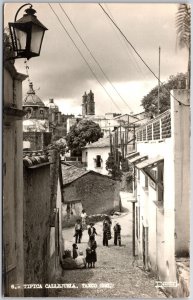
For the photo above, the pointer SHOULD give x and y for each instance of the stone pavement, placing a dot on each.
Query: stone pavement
(115, 274)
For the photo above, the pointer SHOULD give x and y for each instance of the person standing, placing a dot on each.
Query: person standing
(117, 234)
(78, 231)
(92, 231)
(83, 220)
(106, 230)
(93, 255)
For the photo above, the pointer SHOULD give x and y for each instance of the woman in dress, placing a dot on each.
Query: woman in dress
(93, 255)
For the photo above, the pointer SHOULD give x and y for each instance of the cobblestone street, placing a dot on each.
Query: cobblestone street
(115, 267)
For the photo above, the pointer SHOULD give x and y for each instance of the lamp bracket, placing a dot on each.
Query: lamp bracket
(20, 9)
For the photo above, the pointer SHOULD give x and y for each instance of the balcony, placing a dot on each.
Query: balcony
(156, 129)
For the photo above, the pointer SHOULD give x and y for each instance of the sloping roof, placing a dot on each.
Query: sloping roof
(101, 143)
(151, 162)
(71, 173)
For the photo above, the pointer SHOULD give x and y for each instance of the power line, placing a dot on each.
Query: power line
(140, 55)
(98, 64)
(138, 68)
(84, 58)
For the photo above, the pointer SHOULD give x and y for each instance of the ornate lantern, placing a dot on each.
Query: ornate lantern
(27, 34)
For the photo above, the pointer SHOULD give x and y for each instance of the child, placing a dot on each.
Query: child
(78, 231)
(88, 257)
(74, 251)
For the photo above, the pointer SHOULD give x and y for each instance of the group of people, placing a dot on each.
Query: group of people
(107, 232)
(81, 225)
(91, 256)
(78, 260)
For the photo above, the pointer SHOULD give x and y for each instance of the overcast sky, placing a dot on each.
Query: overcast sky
(62, 74)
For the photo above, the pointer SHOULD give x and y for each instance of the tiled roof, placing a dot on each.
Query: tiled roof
(101, 143)
(71, 173)
(32, 159)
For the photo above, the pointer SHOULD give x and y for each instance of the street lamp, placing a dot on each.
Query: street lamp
(27, 34)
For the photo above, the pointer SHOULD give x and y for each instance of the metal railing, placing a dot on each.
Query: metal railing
(158, 128)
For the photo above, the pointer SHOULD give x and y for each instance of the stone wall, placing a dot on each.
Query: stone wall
(36, 227)
(56, 242)
(97, 193)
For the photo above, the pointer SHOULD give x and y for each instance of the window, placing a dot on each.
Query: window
(41, 111)
(98, 161)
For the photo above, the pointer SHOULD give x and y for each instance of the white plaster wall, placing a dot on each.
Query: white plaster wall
(161, 226)
(180, 123)
(91, 154)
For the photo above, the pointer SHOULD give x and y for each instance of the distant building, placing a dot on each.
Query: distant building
(42, 124)
(95, 155)
(36, 131)
(88, 104)
(108, 122)
(57, 120)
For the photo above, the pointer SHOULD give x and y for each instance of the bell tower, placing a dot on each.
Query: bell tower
(90, 104)
(84, 104)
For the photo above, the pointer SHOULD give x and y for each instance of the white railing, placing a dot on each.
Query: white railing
(158, 128)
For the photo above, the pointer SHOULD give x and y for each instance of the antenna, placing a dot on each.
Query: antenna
(158, 105)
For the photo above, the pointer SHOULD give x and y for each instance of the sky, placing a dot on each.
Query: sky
(62, 74)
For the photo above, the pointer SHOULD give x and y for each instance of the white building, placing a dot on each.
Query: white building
(162, 191)
(96, 154)
(108, 122)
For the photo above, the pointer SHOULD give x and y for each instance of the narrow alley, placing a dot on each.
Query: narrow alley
(116, 273)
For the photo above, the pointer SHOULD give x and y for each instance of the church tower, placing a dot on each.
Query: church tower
(84, 104)
(36, 132)
(90, 104)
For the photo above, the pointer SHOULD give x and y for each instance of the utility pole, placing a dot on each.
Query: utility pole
(158, 106)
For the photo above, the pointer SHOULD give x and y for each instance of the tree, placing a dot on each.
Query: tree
(150, 101)
(113, 166)
(82, 133)
(183, 25)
